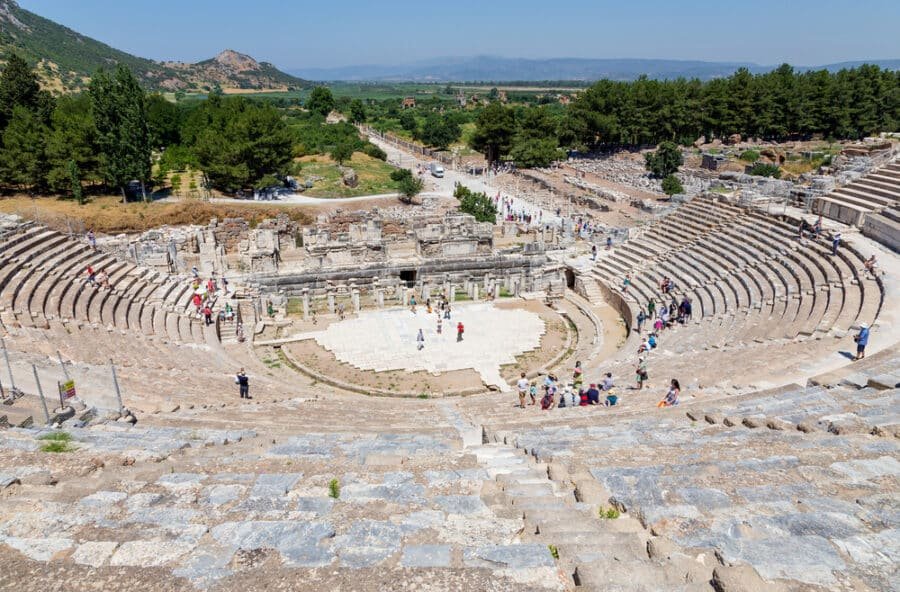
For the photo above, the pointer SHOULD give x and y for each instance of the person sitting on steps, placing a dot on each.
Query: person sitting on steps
(671, 398)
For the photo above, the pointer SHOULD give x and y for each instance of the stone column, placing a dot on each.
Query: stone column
(330, 302)
(496, 290)
(379, 297)
(516, 286)
(306, 304)
(474, 291)
(354, 297)
(426, 292)
(452, 294)
(404, 295)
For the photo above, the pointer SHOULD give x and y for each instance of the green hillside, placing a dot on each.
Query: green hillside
(65, 59)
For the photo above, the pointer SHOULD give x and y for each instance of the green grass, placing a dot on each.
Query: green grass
(57, 442)
(608, 514)
(461, 297)
(373, 174)
(423, 395)
(334, 489)
(750, 156)
(294, 306)
(57, 437)
(554, 551)
(505, 293)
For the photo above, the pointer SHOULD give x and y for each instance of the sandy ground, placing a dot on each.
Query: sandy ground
(323, 361)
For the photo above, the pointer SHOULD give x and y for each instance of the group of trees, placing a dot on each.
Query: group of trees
(106, 137)
(777, 105)
(58, 144)
(529, 136)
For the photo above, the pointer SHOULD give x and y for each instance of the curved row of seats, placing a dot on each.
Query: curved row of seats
(43, 279)
(802, 467)
(747, 274)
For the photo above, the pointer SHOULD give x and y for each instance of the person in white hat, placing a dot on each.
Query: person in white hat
(861, 339)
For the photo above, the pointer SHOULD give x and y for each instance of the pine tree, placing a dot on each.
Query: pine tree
(18, 87)
(75, 181)
(120, 114)
(23, 158)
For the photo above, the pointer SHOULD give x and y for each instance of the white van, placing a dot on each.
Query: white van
(437, 170)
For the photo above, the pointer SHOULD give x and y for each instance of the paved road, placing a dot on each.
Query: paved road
(446, 185)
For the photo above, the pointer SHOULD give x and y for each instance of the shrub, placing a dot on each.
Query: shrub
(476, 204)
(374, 151)
(665, 161)
(749, 155)
(766, 170)
(608, 513)
(57, 442)
(553, 551)
(334, 489)
(671, 185)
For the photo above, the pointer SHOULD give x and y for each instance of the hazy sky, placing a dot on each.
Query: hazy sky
(304, 33)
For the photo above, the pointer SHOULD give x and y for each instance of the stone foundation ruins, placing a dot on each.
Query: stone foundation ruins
(385, 258)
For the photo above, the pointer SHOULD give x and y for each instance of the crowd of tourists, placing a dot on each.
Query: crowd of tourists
(551, 393)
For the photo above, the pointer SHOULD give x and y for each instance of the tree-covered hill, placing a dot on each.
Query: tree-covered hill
(65, 60)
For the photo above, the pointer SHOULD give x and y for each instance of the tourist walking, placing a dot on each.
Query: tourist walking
(522, 386)
(459, 331)
(420, 340)
(91, 239)
(439, 324)
(593, 252)
(861, 339)
(651, 308)
(641, 318)
(871, 267)
(671, 398)
(641, 374)
(207, 314)
(608, 243)
(532, 391)
(243, 382)
(835, 243)
(625, 283)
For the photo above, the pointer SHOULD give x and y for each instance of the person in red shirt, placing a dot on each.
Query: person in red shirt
(207, 313)
(459, 331)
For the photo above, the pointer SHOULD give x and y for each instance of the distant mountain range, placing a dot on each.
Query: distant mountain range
(66, 60)
(498, 69)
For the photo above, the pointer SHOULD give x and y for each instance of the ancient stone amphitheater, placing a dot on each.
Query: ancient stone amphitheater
(778, 471)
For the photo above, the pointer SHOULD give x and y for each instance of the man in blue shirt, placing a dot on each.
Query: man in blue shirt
(861, 339)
